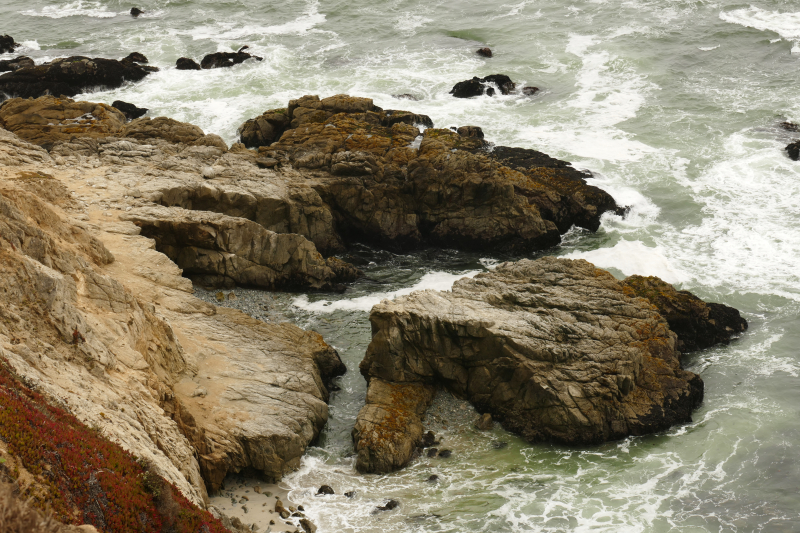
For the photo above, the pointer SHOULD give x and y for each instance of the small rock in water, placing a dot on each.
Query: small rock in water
(301, 508)
(388, 506)
(530, 91)
(308, 526)
(432, 452)
(499, 445)
(444, 454)
(484, 423)
(185, 63)
(790, 126)
(484, 52)
(325, 489)
(350, 494)
(433, 478)
(794, 151)
(272, 522)
(220, 296)
(406, 97)
(135, 12)
(428, 439)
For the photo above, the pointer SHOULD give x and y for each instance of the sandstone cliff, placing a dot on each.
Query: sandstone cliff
(92, 316)
(557, 350)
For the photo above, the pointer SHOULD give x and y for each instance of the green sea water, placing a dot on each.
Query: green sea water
(673, 105)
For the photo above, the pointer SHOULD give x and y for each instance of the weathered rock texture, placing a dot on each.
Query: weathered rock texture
(556, 350)
(226, 59)
(7, 44)
(385, 182)
(10, 65)
(218, 250)
(70, 76)
(698, 324)
(479, 86)
(94, 317)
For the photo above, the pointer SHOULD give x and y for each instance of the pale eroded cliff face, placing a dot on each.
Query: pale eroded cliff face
(93, 316)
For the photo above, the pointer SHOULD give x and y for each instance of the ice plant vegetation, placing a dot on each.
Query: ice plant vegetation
(83, 478)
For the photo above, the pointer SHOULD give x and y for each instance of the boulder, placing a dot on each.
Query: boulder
(264, 129)
(479, 86)
(47, 119)
(11, 65)
(226, 59)
(129, 110)
(554, 349)
(185, 63)
(530, 91)
(221, 251)
(389, 426)
(325, 490)
(135, 57)
(70, 76)
(135, 12)
(484, 52)
(793, 150)
(172, 131)
(698, 324)
(7, 44)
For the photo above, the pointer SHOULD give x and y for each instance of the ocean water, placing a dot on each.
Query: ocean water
(674, 105)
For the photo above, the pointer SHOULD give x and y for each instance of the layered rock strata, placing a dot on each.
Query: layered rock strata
(556, 350)
(220, 251)
(95, 318)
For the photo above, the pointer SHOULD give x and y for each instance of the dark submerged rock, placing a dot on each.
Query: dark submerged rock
(135, 12)
(793, 150)
(70, 76)
(484, 52)
(325, 490)
(433, 478)
(388, 506)
(432, 452)
(789, 126)
(499, 445)
(428, 439)
(350, 494)
(11, 65)
(7, 44)
(444, 454)
(478, 86)
(129, 110)
(226, 59)
(406, 96)
(185, 63)
(530, 91)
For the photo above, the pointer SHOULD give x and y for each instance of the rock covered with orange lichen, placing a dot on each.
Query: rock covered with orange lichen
(556, 350)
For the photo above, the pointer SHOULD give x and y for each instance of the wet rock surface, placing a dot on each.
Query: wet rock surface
(555, 350)
(226, 59)
(185, 63)
(698, 324)
(70, 76)
(11, 65)
(7, 44)
(479, 86)
(793, 150)
(129, 110)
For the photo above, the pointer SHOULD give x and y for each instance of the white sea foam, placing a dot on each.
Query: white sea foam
(787, 25)
(707, 48)
(633, 257)
(82, 8)
(440, 281)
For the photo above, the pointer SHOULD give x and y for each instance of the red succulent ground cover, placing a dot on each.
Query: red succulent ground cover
(84, 478)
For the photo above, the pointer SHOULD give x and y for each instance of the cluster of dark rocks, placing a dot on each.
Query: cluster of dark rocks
(489, 85)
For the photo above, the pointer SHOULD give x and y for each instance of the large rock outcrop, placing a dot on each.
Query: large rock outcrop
(98, 320)
(388, 183)
(70, 76)
(216, 250)
(556, 350)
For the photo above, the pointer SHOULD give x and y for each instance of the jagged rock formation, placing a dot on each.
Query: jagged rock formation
(94, 317)
(70, 76)
(793, 150)
(387, 183)
(226, 59)
(556, 350)
(7, 44)
(698, 324)
(220, 251)
(478, 86)
(129, 110)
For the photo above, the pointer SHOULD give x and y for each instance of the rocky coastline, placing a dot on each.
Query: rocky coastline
(109, 217)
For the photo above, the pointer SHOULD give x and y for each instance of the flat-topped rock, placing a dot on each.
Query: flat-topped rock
(216, 250)
(554, 349)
